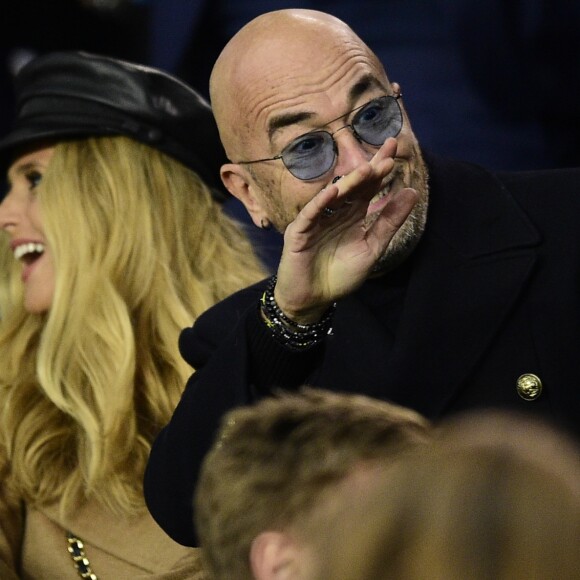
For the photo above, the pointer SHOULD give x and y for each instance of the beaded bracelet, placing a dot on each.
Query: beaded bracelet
(288, 332)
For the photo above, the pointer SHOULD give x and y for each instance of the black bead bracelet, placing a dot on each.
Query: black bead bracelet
(288, 332)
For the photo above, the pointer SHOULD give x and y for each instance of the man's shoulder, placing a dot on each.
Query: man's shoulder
(219, 321)
(543, 194)
(548, 196)
(529, 180)
(230, 310)
(554, 181)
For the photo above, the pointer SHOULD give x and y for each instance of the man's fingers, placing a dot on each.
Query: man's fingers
(396, 208)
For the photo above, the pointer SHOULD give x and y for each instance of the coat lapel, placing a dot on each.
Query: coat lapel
(453, 311)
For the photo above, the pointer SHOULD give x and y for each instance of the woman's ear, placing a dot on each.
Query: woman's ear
(236, 182)
(274, 556)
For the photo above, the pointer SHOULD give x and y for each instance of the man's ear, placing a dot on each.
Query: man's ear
(236, 182)
(274, 556)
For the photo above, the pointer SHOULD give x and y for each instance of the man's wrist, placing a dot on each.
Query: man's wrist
(290, 333)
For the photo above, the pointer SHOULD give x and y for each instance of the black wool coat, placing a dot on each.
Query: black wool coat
(493, 293)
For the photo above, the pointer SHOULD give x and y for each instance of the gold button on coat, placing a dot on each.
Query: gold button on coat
(529, 386)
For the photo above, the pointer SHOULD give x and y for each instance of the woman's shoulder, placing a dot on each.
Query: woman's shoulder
(113, 546)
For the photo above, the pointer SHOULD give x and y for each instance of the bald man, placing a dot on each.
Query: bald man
(429, 282)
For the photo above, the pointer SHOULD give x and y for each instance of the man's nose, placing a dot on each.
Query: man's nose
(351, 150)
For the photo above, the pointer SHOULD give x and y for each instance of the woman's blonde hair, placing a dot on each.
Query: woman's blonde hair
(140, 249)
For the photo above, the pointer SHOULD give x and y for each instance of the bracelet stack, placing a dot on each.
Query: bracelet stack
(288, 332)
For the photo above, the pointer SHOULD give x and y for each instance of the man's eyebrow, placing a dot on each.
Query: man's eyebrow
(362, 86)
(358, 89)
(286, 119)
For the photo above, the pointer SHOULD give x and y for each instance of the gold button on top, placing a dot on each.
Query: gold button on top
(529, 386)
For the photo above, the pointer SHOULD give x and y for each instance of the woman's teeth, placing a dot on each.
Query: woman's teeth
(29, 248)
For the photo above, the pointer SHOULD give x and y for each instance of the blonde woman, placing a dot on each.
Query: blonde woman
(119, 244)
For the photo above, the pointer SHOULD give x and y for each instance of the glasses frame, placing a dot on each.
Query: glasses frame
(335, 148)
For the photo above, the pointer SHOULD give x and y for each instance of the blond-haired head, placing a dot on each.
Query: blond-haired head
(140, 249)
(274, 464)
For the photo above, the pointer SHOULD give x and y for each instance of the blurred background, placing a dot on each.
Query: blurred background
(494, 82)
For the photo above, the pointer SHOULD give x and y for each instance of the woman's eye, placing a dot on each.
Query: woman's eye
(33, 178)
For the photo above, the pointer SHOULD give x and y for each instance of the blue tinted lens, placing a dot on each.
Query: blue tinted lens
(378, 120)
(310, 155)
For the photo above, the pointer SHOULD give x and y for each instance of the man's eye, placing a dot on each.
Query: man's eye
(307, 144)
(369, 113)
(374, 113)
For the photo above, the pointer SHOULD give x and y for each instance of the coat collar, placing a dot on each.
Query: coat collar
(472, 212)
(138, 541)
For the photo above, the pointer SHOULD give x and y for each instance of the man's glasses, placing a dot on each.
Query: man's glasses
(313, 154)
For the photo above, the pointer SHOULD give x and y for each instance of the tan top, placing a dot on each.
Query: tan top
(116, 549)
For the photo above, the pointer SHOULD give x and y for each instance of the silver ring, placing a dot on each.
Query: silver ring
(328, 212)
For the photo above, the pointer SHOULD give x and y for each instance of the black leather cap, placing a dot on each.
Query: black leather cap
(77, 94)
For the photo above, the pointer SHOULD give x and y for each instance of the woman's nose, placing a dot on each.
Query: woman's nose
(10, 210)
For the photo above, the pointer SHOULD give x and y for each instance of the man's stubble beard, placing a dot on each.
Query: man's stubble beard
(407, 237)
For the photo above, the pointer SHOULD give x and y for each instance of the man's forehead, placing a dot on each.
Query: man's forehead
(276, 62)
(271, 87)
(319, 107)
